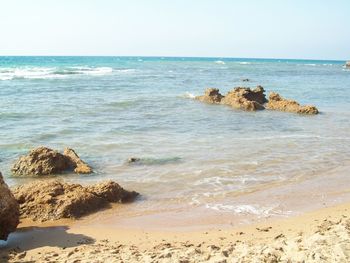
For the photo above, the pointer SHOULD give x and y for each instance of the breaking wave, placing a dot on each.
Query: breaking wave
(55, 72)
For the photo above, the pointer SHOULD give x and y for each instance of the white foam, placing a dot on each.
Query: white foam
(51, 72)
(220, 62)
(189, 95)
(244, 63)
(249, 209)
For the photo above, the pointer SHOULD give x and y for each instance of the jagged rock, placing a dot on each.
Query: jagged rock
(211, 96)
(45, 161)
(112, 192)
(53, 199)
(347, 64)
(245, 98)
(79, 165)
(240, 98)
(9, 211)
(276, 102)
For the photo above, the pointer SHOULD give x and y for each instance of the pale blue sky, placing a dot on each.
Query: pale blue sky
(316, 29)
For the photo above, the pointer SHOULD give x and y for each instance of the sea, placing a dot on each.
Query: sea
(199, 164)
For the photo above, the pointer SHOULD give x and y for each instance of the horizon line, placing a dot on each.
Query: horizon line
(158, 56)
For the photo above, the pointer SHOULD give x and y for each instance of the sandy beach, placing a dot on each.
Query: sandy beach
(319, 236)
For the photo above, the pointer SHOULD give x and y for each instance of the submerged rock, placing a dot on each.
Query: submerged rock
(9, 211)
(132, 160)
(276, 102)
(211, 96)
(45, 161)
(240, 98)
(53, 199)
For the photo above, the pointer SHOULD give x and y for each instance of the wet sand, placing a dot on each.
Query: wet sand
(318, 236)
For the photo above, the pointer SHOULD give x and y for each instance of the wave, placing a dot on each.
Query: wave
(249, 209)
(55, 72)
(188, 95)
(220, 62)
(244, 63)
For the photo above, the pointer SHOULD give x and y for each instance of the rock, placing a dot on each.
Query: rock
(9, 211)
(245, 80)
(347, 64)
(276, 102)
(112, 192)
(53, 199)
(245, 98)
(133, 160)
(211, 95)
(240, 98)
(80, 167)
(45, 161)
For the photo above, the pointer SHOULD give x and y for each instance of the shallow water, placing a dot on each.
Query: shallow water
(195, 156)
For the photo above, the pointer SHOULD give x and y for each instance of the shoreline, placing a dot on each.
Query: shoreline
(59, 241)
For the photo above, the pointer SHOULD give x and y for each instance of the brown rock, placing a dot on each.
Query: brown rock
(45, 161)
(347, 64)
(112, 192)
(210, 96)
(245, 98)
(53, 199)
(9, 211)
(276, 102)
(240, 98)
(80, 167)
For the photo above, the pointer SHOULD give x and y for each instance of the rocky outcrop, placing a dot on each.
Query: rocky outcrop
(254, 99)
(347, 64)
(45, 161)
(9, 211)
(78, 164)
(53, 199)
(240, 98)
(276, 102)
(245, 98)
(211, 96)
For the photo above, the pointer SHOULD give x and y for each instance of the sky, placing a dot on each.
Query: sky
(309, 29)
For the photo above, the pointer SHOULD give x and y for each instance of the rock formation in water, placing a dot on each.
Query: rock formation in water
(80, 167)
(245, 98)
(276, 102)
(211, 96)
(9, 211)
(254, 99)
(53, 199)
(347, 64)
(45, 161)
(240, 98)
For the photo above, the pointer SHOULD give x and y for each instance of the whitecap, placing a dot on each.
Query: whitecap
(188, 95)
(220, 62)
(244, 63)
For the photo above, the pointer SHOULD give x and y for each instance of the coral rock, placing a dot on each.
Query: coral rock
(211, 96)
(45, 161)
(9, 211)
(276, 102)
(53, 199)
(79, 165)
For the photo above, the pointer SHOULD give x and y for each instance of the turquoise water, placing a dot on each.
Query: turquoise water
(194, 155)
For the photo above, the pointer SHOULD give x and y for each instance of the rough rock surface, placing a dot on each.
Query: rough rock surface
(78, 164)
(9, 211)
(211, 96)
(245, 98)
(240, 98)
(45, 161)
(276, 102)
(53, 199)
